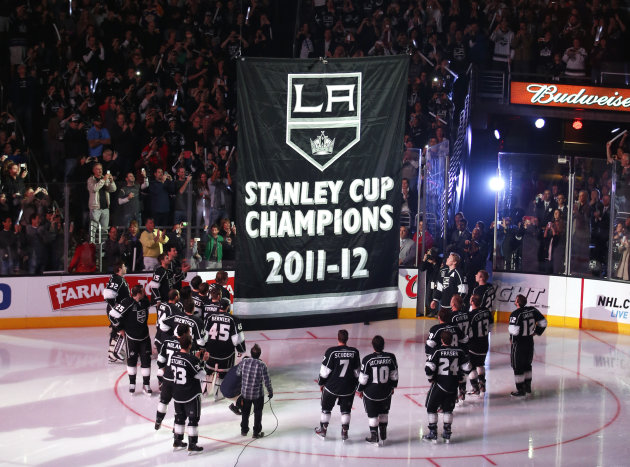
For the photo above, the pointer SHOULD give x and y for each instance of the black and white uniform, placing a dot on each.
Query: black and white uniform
(445, 368)
(434, 341)
(114, 292)
(169, 324)
(339, 375)
(163, 281)
(170, 347)
(525, 323)
(131, 316)
(451, 282)
(225, 337)
(486, 292)
(164, 310)
(462, 320)
(480, 321)
(198, 300)
(187, 376)
(377, 380)
(208, 307)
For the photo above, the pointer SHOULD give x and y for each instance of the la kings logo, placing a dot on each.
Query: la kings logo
(323, 115)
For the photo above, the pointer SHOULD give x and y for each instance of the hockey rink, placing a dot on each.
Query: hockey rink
(63, 405)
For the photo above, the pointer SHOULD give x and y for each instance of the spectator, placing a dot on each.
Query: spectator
(575, 59)
(181, 197)
(152, 244)
(35, 247)
(407, 254)
(84, 258)
(213, 255)
(129, 199)
(132, 248)
(9, 242)
(97, 137)
(113, 249)
(160, 190)
(99, 187)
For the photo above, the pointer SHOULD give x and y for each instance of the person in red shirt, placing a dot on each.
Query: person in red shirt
(84, 259)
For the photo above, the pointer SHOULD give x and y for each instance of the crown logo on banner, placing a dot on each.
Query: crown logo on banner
(322, 145)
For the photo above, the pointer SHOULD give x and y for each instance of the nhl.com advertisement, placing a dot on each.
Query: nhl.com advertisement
(318, 185)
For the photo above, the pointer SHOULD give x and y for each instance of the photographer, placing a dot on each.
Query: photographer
(159, 197)
(14, 186)
(431, 264)
(99, 187)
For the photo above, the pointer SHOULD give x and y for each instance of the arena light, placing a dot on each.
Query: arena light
(497, 135)
(496, 183)
(539, 123)
(577, 124)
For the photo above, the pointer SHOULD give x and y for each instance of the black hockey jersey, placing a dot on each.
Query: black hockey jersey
(525, 322)
(480, 321)
(339, 373)
(434, 341)
(451, 281)
(169, 325)
(198, 300)
(209, 307)
(486, 293)
(131, 317)
(225, 333)
(115, 291)
(446, 367)
(379, 375)
(187, 375)
(163, 281)
(462, 320)
(170, 347)
(164, 310)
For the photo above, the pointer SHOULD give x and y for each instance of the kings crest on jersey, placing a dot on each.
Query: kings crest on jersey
(323, 115)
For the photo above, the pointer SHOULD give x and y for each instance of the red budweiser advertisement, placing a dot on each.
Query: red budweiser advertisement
(569, 95)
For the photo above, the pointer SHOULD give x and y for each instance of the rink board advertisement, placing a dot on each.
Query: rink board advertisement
(318, 185)
(59, 301)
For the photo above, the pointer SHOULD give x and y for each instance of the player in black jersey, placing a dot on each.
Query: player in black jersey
(130, 318)
(446, 367)
(460, 318)
(480, 321)
(433, 341)
(221, 280)
(170, 347)
(115, 291)
(197, 297)
(525, 323)
(212, 303)
(164, 279)
(187, 376)
(169, 324)
(451, 282)
(225, 338)
(377, 380)
(338, 378)
(165, 310)
(484, 289)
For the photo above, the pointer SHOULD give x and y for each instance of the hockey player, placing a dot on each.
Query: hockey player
(165, 374)
(433, 341)
(484, 289)
(377, 381)
(130, 318)
(225, 338)
(169, 324)
(115, 291)
(525, 322)
(164, 279)
(338, 378)
(461, 318)
(452, 281)
(221, 280)
(165, 310)
(211, 303)
(445, 368)
(197, 297)
(187, 376)
(480, 321)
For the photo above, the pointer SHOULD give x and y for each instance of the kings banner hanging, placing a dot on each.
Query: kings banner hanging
(319, 153)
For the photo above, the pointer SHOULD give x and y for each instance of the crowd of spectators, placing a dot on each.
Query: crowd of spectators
(133, 102)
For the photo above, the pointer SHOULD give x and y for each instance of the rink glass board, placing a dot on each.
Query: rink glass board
(318, 186)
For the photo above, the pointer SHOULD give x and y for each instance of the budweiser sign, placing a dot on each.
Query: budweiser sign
(566, 95)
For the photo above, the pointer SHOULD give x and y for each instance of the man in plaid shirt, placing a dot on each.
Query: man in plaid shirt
(253, 371)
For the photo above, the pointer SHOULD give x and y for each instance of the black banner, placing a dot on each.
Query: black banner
(320, 147)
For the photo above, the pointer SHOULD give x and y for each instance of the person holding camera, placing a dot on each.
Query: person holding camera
(181, 199)
(525, 323)
(129, 199)
(99, 187)
(159, 196)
